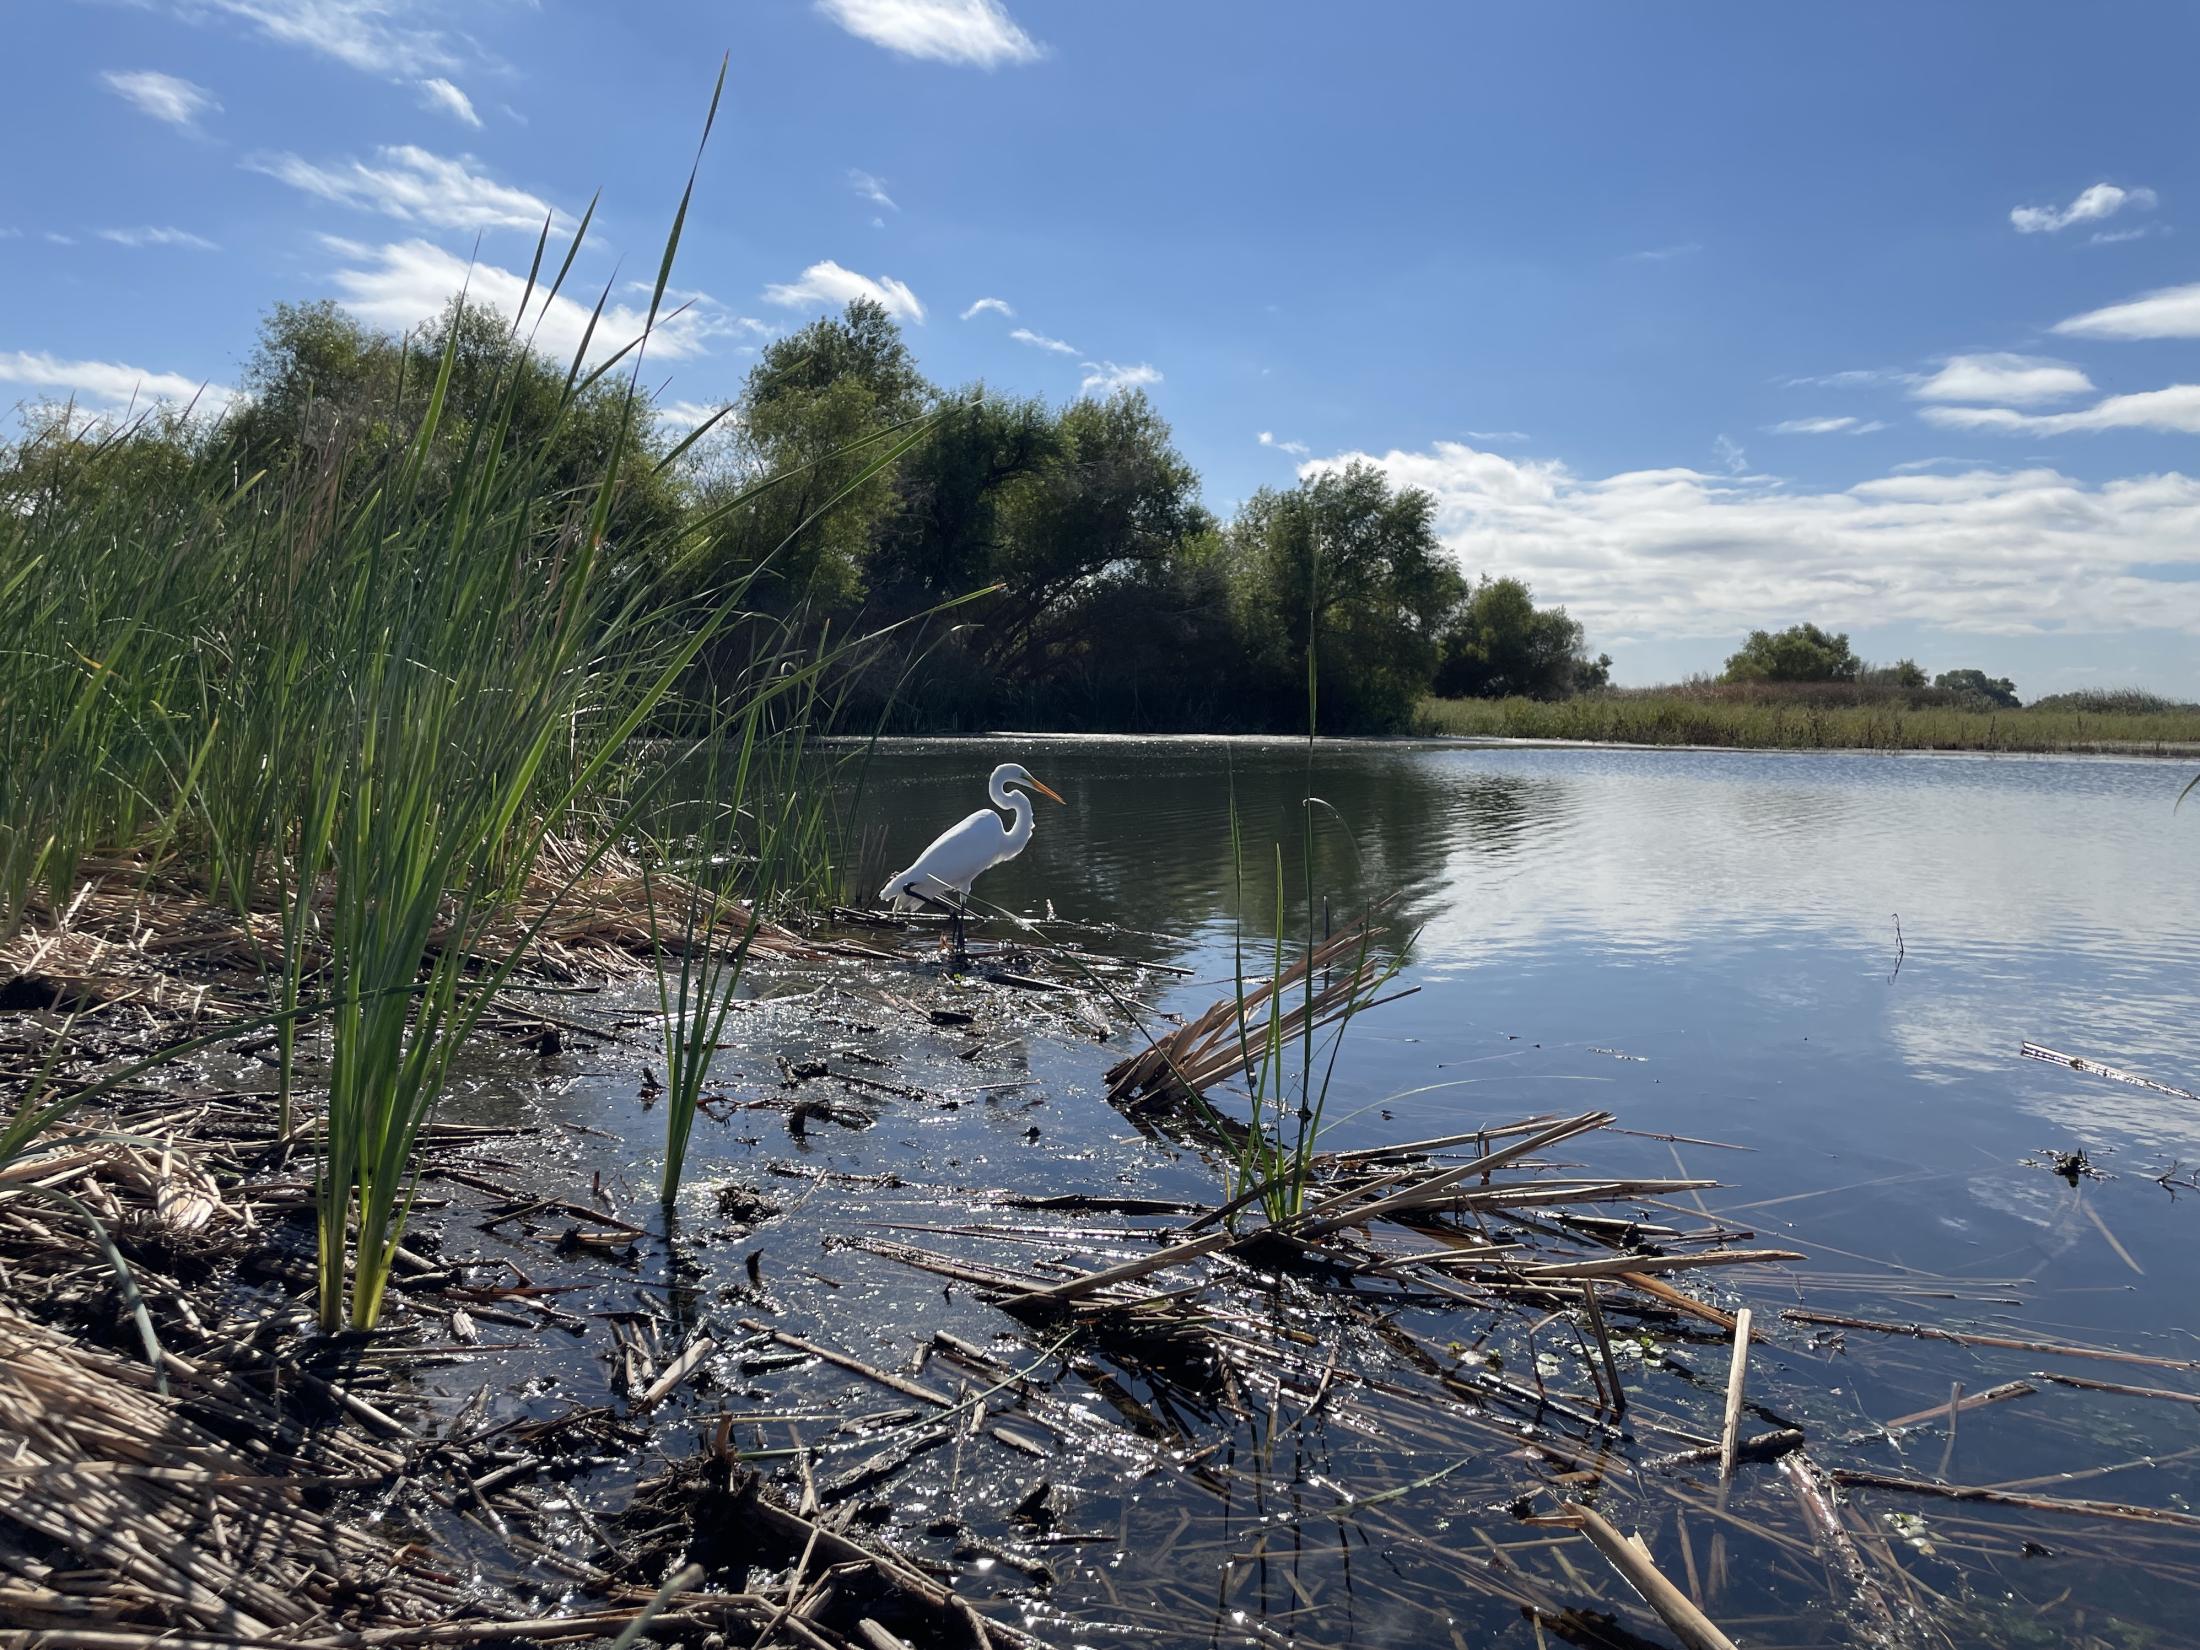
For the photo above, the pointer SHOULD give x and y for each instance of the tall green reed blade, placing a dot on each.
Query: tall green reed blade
(755, 825)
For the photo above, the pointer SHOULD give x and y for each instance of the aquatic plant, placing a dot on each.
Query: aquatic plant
(1808, 722)
(758, 834)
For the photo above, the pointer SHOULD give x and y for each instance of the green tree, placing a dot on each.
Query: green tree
(1976, 684)
(1500, 643)
(810, 410)
(1906, 674)
(1346, 567)
(1109, 504)
(320, 382)
(1800, 653)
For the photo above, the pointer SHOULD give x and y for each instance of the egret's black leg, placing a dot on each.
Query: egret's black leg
(960, 957)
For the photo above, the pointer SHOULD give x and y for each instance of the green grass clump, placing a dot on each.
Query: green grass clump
(368, 691)
(1803, 723)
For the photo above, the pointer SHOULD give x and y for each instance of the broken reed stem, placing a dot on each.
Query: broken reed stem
(2014, 1343)
(1857, 1479)
(1628, 1556)
(1955, 1408)
(1604, 1345)
(2084, 1385)
(1737, 1370)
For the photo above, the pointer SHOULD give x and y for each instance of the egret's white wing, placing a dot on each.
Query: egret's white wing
(954, 861)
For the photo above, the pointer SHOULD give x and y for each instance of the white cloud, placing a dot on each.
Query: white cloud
(2175, 409)
(2115, 237)
(943, 31)
(1678, 553)
(109, 387)
(1827, 426)
(407, 283)
(1852, 378)
(2103, 200)
(999, 306)
(1297, 449)
(2171, 312)
(1039, 340)
(163, 96)
(2024, 379)
(438, 93)
(680, 417)
(1497, 435)
(150, 236)
(828, 283)
(1659, 254)
(1107, 377)
(371, 35)
(414, 186)
(871, 189)
(1729, 453)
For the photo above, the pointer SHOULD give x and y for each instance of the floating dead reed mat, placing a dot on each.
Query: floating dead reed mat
(139, 933)
(123, 1512)
(1179, 1067)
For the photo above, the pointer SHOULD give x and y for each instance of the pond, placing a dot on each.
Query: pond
(1833, 959)
(1808, 976)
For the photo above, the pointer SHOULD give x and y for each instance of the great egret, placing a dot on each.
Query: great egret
(944, 872)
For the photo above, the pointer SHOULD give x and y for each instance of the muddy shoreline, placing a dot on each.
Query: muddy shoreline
(825, 1385)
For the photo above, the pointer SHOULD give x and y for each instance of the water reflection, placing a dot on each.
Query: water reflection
(1733, 912)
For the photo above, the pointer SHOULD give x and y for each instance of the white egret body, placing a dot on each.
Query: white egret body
(944, 872)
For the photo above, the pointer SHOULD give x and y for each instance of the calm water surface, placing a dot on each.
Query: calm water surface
(1706, 941)
(1705, 944)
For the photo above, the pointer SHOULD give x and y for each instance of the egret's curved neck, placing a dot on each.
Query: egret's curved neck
(1018, 805)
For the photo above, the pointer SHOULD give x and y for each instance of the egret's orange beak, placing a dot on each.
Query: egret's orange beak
(1045, 790)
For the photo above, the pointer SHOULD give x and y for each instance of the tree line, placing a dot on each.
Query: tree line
(1114, 597)
(1804, 653)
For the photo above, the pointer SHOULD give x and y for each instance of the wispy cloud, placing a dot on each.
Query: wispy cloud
(404, 284)
(997, 306)
(439, 94)
(2171, 312)
(1729, 453)
(2103, 200)
(151, 236)
(1497, 435)
(871, 188)
(108, 386)
(2175, 409)
(2116, 237)
(166, 97)
(828, 283)
(1107, 377)
(942, 31)
(377, 36)
(1678, 553)
(1658, 254)
(1298, 449)
(682, 416)
(1852, 378)
(1827, 426)
(1039, 340)
(414, 186)
(2026, 380)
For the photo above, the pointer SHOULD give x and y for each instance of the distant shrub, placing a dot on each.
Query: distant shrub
(1800, 653)
(1976, 684)
(2114, 702)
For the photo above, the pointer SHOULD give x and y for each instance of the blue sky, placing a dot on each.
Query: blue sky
(1698, 319)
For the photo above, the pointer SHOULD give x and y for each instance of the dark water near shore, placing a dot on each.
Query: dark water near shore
(1705, 944)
